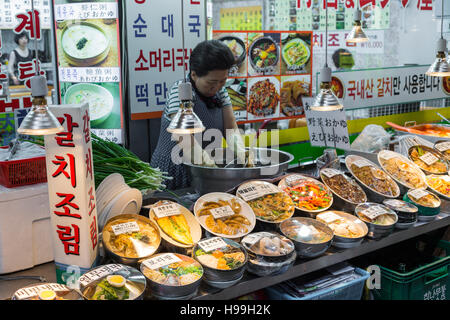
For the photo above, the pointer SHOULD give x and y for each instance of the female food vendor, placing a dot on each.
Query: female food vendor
(209, 64)
(20, 54)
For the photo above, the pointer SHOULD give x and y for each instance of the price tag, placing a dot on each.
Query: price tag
(99, 273)
(330, 173)
(361, 163)
(212, 244)
(255, 191)
(374, 212)
(386, 155)
(418, 193)
(161, 261)
(251, 239)
(221, 212)
(443, 146)
(127, 227)
(429, 158)
(292, 179)
(166, 210)
(328, 217)
(33, 291)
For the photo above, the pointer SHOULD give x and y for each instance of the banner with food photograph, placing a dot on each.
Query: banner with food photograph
(88, 59)
(272, 73)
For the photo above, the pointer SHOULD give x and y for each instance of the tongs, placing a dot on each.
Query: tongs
(13, 145)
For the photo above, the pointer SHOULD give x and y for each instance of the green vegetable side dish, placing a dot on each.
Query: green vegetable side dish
(295, 53)
(109, 158)
(105, 291)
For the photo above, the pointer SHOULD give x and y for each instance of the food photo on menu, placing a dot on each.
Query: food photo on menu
(264, 54)
(237, 42)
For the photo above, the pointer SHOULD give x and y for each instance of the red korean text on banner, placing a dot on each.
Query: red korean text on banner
(91, 201)
(29, 22)
(93, 232)
(27, 70)
(349, 4)
(139, 1)
(65, 204)
(15, 103)
(308, 3)
(384, 3)
(425, 5)
(86, 127)
(404, 3)
(195, 2)
(89, 164)
(62, 165)
(363, 3)
(71, 242)
(65, 138)
(330, 4)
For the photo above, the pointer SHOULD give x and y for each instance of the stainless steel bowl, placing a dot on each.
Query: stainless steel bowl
(123, 259)
(222, 278)
(31, 292)
(372, 194)
(376, 231)
(135, 281)
(436, 153)
(406, 212)
(167, 291)
(272, 163)
(306, 249)
(268, 265)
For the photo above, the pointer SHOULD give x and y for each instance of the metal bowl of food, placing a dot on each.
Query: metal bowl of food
(269, 253)
(347, 194)
(444, 148)
(379, 219)
(46, 291)
(427, 203)
(406, 212)
(223, 260)
(113, 282)
(310, 237)
(129, 238)
(405, 172)
(349, 231)
(376, 183)
(440, 185)
(309, 195)
(172, 275)
(269, 163)
(428, 159)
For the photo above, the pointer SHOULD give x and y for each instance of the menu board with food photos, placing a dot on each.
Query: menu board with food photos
(88, 60)
(272, 73)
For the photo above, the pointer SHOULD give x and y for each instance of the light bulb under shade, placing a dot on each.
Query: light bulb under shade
(357, 35)
(40, 121)
(326, 100)
(185, 122)
(439, 68)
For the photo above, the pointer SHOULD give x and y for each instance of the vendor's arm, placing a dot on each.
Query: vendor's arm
(11, 62)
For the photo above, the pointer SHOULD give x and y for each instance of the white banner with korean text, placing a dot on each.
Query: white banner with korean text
(155, 49)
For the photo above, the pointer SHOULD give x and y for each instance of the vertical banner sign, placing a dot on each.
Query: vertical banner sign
(155, 49)
(89, 67)
(71, 190)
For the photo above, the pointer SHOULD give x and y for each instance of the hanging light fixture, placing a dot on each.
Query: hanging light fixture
(440, 66)
(39, 120)
(185, 121)
(357, 34)
(326, 100)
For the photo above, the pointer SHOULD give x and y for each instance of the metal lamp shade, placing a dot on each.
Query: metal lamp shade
(326, 100)
(185, 122)
(357, 35)
(439, 68)
(40, 121)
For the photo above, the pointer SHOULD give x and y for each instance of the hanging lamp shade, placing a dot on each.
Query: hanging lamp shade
(440, 66)
(39, 120)
(326, 100)
(185, 121)
(357, 33)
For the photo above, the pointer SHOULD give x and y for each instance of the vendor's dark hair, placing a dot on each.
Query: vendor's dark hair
(21, 35)
(211, 55)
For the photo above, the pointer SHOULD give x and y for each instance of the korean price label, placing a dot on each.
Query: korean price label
(221, 212)
(33, 291)
(374, 212)
(161, 261)
(254, 191)
(330, 173)
(361, 163)
(429, 158)
(166, 210)
(329, 217)
(293, 179)
(418, 193)
(212, 244)
(443, 146)
(386, 155)
(251, 239)
(99, 273)
(127, 227)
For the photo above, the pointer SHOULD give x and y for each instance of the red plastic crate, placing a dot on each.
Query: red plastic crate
(18, 173)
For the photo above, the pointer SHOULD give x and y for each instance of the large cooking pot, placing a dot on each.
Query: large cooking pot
(270, 163)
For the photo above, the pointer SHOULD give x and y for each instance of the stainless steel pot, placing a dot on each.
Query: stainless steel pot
(270, 163)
